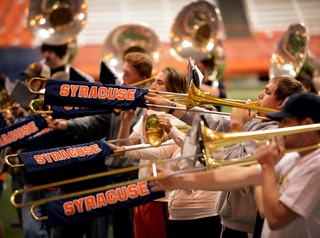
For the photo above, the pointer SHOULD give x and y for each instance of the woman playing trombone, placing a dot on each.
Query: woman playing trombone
(190, 209)
(150, 219)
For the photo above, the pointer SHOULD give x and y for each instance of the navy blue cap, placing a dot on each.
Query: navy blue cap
(299, 105)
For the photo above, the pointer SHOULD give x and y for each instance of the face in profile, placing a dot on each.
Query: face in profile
(160, 83)
(267, 98)
(130, 74)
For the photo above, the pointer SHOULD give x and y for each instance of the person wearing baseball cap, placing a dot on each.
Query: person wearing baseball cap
(300, 105)
(290, 183)
(36, 70)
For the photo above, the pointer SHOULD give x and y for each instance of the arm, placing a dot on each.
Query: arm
(82, 125)
(216, 122)
(223, 179)
(276, 212)
(158, 100)
(162, 152)
(172, 131)
(126, 118)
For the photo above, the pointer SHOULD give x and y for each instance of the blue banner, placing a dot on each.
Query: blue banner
(85, 94)
(93, 205)
(73, 112)
(39, 137)
(21, 130)
(50, 158)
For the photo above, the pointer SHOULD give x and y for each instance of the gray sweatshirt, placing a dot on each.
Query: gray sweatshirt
(237, 209)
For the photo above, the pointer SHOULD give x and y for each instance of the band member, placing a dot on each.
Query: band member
(187, 208)
(137, 67)
(150, 220)
(290, 191)
(54, 55)
(241, 205)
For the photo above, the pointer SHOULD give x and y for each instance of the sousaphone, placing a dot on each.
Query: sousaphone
(131, 38)
(57, 22)
(197, 32)
(290, 52)
(311, 70)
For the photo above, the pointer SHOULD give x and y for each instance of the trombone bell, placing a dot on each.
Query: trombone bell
(154, 132)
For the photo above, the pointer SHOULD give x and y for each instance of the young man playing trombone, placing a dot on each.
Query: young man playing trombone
(290, 191)
(238, 209)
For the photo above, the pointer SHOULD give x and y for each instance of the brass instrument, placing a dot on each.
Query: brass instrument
(154, 135)
(292, 58)
(57, 22)
(131, 38)
(246, 161)
(116, 151)
(144, 83)
(290, 52)
(195, 31)
(154, 131)
(311, 70)
(79, 179)
(212, 142)
(194, 97)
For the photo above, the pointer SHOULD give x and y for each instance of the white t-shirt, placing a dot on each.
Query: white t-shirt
(298, 184)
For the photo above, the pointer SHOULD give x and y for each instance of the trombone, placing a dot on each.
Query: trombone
(218, 139)
(213, 140)
(244, 161)
(194, 98)
(154, 135)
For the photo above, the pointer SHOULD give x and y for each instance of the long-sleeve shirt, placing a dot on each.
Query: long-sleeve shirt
(184, 204)
(237, 209)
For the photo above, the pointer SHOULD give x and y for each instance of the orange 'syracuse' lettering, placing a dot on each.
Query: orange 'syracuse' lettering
(101, 93)
(67, 154)
(102, 199)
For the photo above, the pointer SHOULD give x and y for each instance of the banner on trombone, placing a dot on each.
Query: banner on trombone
(21, 131)
(85, 94)
(78, 208)
(60, 156)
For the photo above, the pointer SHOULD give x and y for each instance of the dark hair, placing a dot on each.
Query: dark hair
(307, 82)
(2, 81)
(141, 62)
(209, 62)
(60, 50)
(175, 79)
(286, 86)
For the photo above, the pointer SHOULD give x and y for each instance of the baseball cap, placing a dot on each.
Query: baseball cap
(37, 70)
(299, 105)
